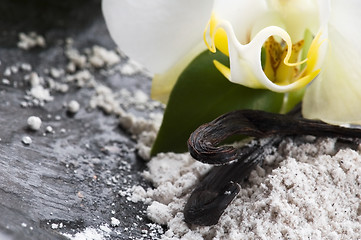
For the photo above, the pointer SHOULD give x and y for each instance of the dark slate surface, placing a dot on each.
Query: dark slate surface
(52, 180)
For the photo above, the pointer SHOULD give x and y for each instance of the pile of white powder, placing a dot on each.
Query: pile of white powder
(303, 191)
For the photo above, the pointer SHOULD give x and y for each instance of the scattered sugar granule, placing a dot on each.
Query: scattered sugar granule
(102, 56)
(81, 77)
(131, 67)
(159, 213)
(5, 81)
(7, 72)
(56, 73)
(73, 106)
(138, 194)
(70, 67)
(24, 225)
(114, 222)
(23, 104)
(26, 140)
(105, 228)
(54, 226)
(37, 90)
(49, 129)
(57, 86)
(31, 40)
(76, 58)
(25, 67)
(34, 123)
(41, 93)
(34, 79)
(14, 69)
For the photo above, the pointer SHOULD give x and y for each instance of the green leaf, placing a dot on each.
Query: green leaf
(292, 99)
(200, 95)
(308, 38)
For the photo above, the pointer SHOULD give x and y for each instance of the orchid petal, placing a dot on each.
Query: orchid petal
(346, 19)
(162, 84)
(336, 94)
(296, 15)
(242, 14)
(156, 33)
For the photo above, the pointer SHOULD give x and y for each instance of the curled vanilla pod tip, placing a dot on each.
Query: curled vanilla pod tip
(220, 186)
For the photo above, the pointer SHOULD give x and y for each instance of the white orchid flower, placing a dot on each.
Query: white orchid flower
(301, 40)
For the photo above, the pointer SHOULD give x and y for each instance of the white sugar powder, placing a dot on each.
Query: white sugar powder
(302, 192)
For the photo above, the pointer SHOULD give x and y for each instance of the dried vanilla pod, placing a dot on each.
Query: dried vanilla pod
(220, 186)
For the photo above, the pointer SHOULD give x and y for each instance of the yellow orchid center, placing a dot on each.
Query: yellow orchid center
(284, 73)
(277, 70)
(279, 66)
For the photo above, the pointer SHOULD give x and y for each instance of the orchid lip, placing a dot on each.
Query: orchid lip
(249, 57)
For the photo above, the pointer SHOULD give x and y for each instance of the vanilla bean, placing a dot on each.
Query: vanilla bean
(203, 142)
(220, 186)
